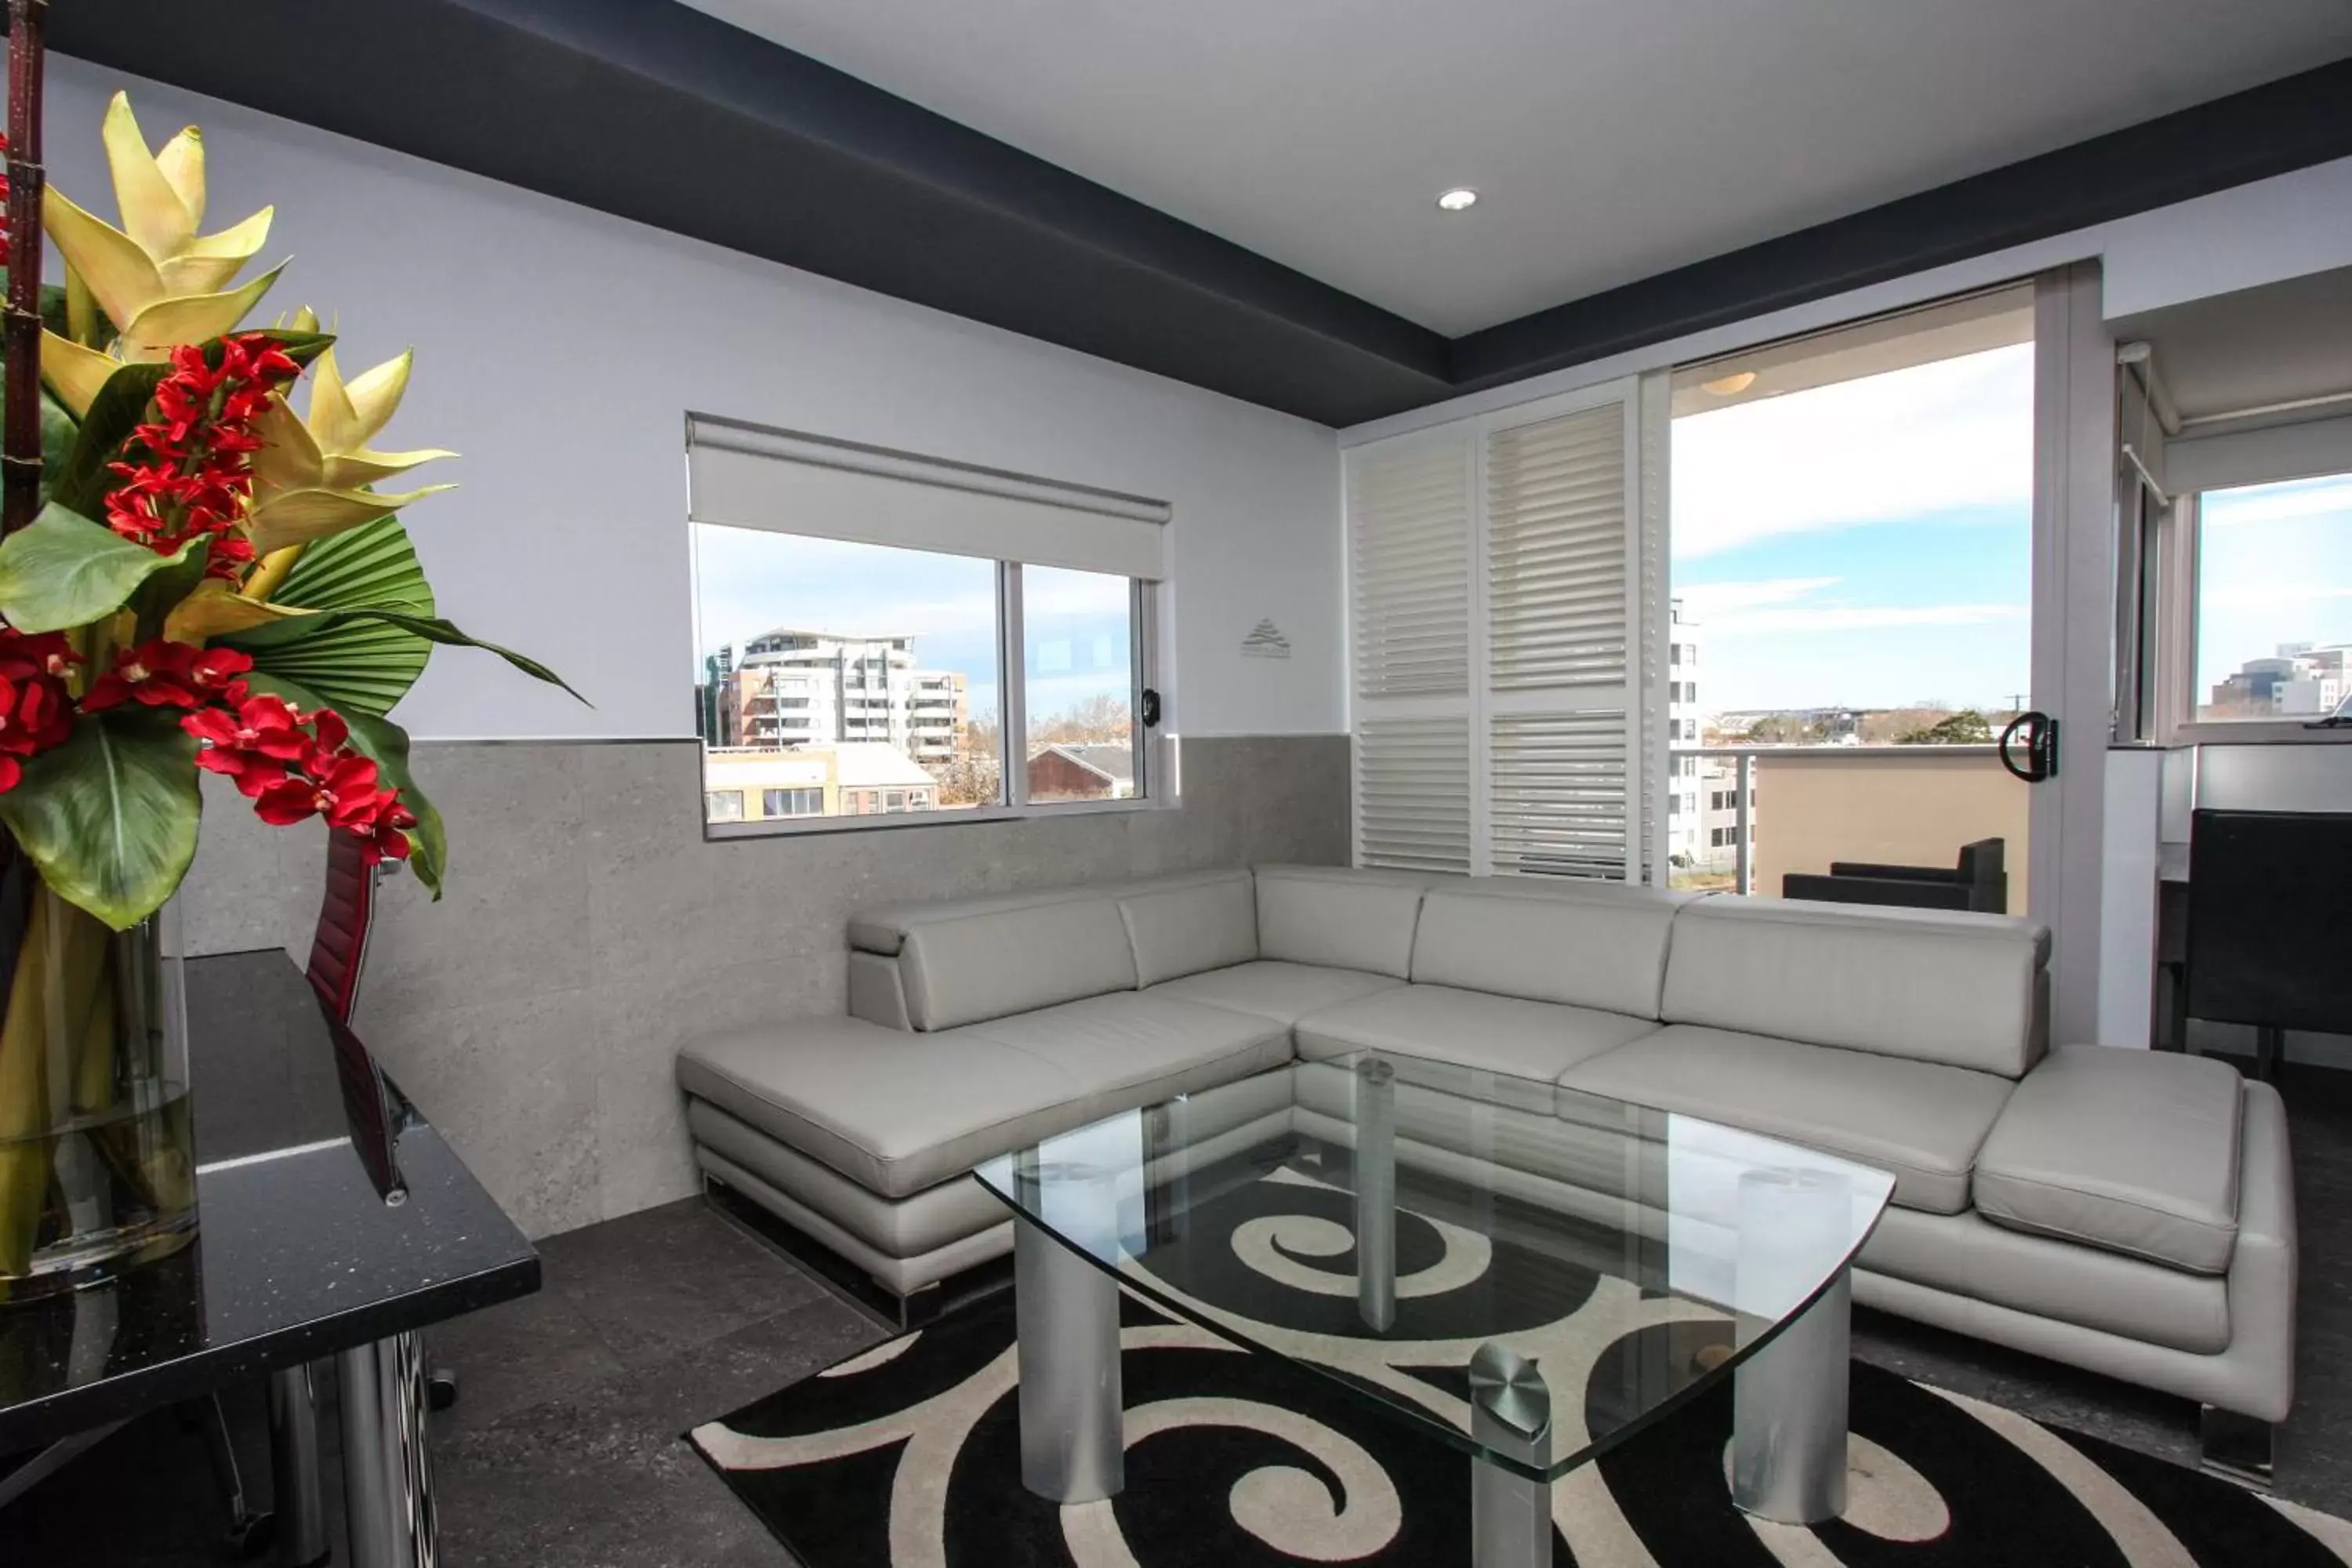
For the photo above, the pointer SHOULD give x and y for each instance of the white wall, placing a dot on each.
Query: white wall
(558, 349)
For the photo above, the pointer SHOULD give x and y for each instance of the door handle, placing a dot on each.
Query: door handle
(2041, 735)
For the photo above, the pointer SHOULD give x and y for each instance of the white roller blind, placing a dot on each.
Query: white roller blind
(1495, 576)
(747, 477)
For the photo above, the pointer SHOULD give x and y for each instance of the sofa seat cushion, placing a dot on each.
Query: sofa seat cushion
(1967, 1255)
(893, 1111)
(1497, 1034)
(1920, 1120)
(1131, 1049)
(1270, 988)
(2136, 1151)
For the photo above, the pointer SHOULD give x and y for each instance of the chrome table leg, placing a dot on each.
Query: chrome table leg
(1510, 1413)
(1066, 1312)
(298, 1515)
(387, 1470)
(1789, 1420)
(1376, 1193)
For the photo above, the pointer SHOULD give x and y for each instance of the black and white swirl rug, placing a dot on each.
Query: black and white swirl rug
(909, 1454)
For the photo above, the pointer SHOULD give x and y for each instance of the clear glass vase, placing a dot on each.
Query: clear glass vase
(97, 1148)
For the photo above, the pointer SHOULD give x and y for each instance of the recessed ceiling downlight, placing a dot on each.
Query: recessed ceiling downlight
(1461, 198)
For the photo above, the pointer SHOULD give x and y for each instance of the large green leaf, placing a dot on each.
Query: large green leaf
(121, 406)
(62, 569)
(433, 628)
(358, 666)
(387, 742)
(109, 817)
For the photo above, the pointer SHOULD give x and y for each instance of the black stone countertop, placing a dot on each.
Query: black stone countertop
(299, 1253)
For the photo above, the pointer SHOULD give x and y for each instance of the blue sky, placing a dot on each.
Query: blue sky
(2275, 566)
(752, 580)
(1863, 544)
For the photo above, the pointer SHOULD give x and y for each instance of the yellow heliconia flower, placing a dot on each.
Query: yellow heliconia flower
(158, 280)
(309, 473)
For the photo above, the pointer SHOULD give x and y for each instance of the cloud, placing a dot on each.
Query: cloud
(2269, 594)
(2275, 503)
(1703, 602)
(1934, 438)
(1785, 604)
(1857, 617)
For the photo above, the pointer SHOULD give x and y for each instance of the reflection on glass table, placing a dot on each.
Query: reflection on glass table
(1578, 1268)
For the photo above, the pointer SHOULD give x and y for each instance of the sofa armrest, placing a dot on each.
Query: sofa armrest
(876, 992)
(2262, 1273)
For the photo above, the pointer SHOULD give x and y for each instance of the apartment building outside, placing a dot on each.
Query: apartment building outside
(798, 687)
(2304, 680)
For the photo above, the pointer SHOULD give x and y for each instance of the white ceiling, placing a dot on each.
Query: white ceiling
(1609, 140)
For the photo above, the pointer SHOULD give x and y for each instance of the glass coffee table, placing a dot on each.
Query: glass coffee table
(1528, 1273)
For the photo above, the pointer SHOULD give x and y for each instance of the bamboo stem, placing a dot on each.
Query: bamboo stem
(20, 331)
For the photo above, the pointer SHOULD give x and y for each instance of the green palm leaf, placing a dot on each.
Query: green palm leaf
(357, 667)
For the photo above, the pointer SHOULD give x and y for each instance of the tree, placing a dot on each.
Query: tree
(1785, 729)
(1100, 718)
(1966, 728)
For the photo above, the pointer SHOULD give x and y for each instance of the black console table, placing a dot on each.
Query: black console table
(332, 1220)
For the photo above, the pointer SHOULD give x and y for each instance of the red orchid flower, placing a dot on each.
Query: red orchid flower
(167, 674)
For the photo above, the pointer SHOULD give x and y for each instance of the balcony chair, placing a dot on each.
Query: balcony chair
(1978, 882)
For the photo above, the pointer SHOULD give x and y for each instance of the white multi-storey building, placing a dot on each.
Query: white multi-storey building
(792, 686)
(2303, 681)
(1701, 793)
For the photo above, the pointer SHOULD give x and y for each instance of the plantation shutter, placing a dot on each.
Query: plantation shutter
(1496, 594)
(1409, 509)
(1559, 646)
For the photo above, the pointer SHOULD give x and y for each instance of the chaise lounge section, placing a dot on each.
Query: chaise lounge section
(2123, 1211)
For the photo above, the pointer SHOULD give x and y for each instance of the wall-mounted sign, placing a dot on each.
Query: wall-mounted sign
(1265, 641)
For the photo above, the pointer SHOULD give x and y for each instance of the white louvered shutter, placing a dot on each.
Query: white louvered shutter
(1497, 599)
(1561, 658)
(1409, 511)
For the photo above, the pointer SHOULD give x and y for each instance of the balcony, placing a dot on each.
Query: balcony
(1799, 808)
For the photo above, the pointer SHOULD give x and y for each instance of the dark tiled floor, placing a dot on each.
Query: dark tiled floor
(564, 1447)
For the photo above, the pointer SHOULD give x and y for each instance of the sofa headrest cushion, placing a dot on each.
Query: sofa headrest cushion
(1338, 917)
(1602, 946)
(1960, 989)
(979, 967)
(1193, 925)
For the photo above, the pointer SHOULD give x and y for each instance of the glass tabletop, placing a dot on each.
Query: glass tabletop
(1428, 1234)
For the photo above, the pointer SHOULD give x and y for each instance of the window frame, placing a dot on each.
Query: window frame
(2178, 531)
(1153, 744)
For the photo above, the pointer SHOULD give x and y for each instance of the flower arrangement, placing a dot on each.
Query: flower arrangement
(194, 577)
(212, 582)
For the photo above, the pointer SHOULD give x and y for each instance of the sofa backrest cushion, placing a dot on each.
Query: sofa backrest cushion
(1934, 985)
(1181, 926)
(968, 968)
(1338, 917)
(1599, 944)
(885, 931)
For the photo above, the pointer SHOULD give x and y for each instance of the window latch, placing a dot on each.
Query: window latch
(1148, 708)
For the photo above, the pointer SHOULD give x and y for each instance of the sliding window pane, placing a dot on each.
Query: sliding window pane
(842, 680)
(2274, 601)
(1078, 684)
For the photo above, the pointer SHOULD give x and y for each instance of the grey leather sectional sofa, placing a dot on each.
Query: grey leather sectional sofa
(2123, 1211)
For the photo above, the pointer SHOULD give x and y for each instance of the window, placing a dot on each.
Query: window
(723, 805)
(791, 802)
(1078, 685)
(881, 635)
(2274, 602)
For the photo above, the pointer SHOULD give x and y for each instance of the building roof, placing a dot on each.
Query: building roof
(862, 764)
(1112, 761)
